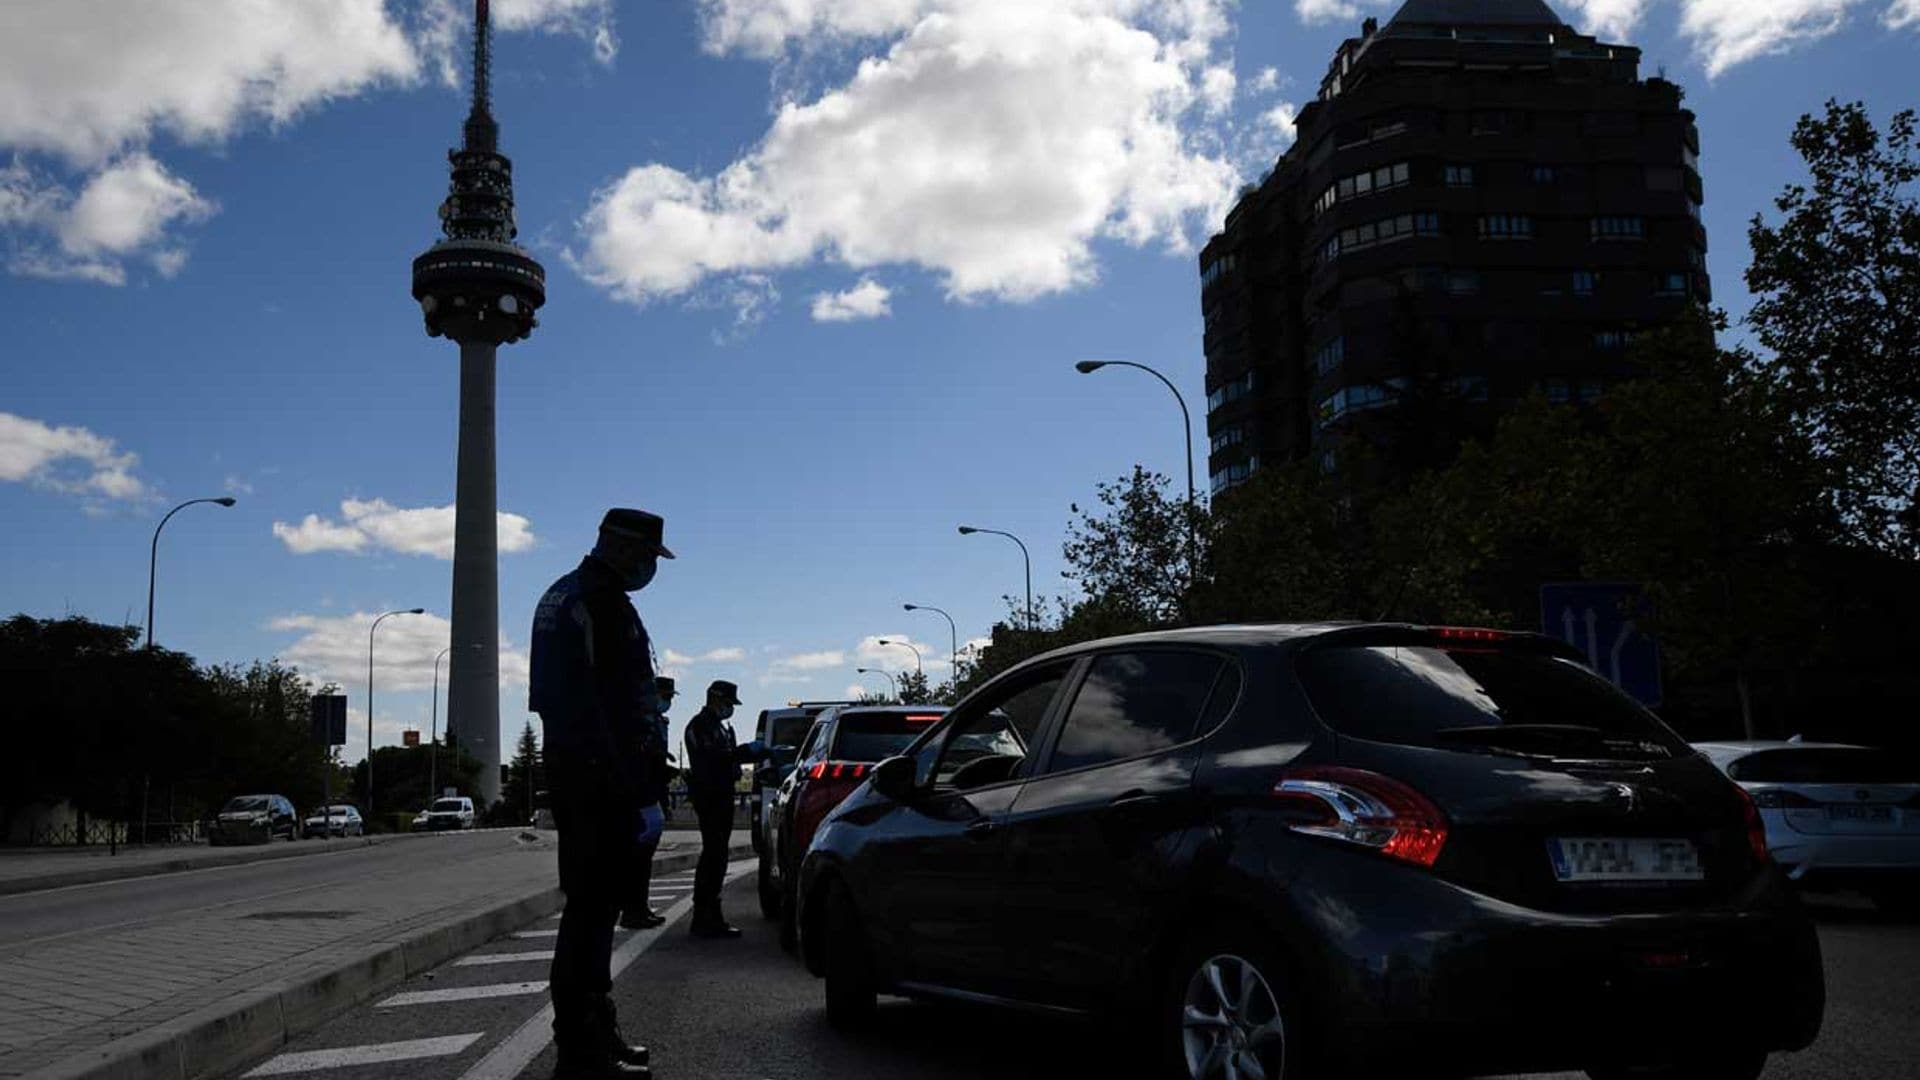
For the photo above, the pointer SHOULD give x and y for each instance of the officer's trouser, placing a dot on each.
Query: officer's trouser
(639, 892)
(715, 810)
(596, 844)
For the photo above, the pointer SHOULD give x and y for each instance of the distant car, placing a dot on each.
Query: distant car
(1837, 815)
(1325, 850)
(255, 819)
(451, 813)
(843, 745)
(340, 820)
(781, 731)
(419, 821)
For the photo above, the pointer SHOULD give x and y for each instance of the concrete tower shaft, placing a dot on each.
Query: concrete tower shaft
(480, 289)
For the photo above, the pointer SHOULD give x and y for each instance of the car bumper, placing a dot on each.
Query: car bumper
(1417, 968)
(239, 834)
(1812, 856)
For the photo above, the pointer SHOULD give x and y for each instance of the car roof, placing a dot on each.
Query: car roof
(1254, 635)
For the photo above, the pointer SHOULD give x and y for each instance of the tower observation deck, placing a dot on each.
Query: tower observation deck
(480, 289)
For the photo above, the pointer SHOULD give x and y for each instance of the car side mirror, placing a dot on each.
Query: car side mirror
(894, 778)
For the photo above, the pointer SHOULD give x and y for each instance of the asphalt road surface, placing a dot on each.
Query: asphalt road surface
(742, 1010)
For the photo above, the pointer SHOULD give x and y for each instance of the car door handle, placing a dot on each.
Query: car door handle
(1136, 801)
(980, 830)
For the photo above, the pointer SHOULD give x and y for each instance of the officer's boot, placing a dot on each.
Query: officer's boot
(709, 923)
(583, 1037)
(617, 1045)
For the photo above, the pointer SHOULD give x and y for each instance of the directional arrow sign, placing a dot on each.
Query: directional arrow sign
(1601, 619)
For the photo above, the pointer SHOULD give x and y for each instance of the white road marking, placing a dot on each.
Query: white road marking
(537, 934)
(503, 958)
(376, 1054)
(511, 1058)
(463, 993)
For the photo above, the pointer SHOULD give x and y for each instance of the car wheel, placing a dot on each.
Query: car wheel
(1732, 1065)
(790, 916)
(1229, 1012)
(851, 996)
(769, 890)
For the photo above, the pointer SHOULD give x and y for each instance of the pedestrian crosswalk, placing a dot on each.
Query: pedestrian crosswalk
(504, 958)
(462, 993)
(377, 1054)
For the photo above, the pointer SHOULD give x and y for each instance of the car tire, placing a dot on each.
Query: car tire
(1260, 1004)
(770, 898)
(851, 995)
(1730, 1065)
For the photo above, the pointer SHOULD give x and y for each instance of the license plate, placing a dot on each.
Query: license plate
(1624, 858)
(1850, 812)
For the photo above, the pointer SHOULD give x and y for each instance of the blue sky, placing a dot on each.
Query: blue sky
(818, 273)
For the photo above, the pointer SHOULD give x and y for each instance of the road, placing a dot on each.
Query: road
(743, 1009)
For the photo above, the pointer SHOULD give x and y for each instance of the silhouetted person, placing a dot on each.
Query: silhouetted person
(592, 684)
(638, 913)
(713, 768)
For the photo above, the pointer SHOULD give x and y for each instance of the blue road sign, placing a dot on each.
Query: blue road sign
(1600, 619)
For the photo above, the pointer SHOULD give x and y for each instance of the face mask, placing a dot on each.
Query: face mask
(725, 712)
(642, 575)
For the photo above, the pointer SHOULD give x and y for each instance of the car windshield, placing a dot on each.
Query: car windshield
(244, 803)
(788, 730)
(448, 806)
(880, 734)
(339, 811)
(1465, 698)
(1825, 765)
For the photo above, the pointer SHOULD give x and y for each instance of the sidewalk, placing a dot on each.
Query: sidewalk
(29, 869)
(196, 993)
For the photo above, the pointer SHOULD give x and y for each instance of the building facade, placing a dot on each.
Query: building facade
(1480, 203)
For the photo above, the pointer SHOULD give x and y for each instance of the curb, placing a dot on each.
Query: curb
(200, 860)
(231, 1033)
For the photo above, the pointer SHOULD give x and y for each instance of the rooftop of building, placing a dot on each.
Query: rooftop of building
(1475, 13)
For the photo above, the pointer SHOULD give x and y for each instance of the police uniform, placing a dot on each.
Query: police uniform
(638, 912)
(714, 758)
(592, 683)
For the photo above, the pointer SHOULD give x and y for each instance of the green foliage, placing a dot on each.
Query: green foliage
(1837, 287)
(914, 689)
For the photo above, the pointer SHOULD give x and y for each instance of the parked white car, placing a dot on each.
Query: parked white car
(340, 820)
(450, 813)
(1836, 815)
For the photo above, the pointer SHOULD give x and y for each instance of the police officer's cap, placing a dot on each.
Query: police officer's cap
(725, 691)
(636, 526)
(663, 685)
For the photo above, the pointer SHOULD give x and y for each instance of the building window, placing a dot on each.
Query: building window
(1545, 175)
(1671, 285)
(1469, 388)
(1506, 227)
(1463, 282)
(1459, 176)
(1330, 356)
(1232, 436)
(1558, 391)
(1619, 228)
(1232, 390)
(1352, 399)
(1590, 390)
(1384, 178)
(1663, 178)
(1217, 269)
(1584, 282)
(1612, 340)
(1235, 473)
(1490, 122)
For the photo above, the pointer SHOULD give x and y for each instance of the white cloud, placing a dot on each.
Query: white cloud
(870, 653)
(676, 663)
(1281, 119)
(334, 649)
(72, 460)
(1326, 11)
(1729, 32)
(377, 525)
(126, 210)
(1903, 14)
(1267, 81)
(1609, 19)
(935, 155)
(866, 300)
(449, 26)
(1217, 85)
(813, 661)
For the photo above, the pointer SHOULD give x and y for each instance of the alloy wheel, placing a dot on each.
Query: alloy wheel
(1231, 1026)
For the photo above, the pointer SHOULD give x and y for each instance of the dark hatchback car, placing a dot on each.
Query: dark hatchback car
(1290, 850)
(844, 744)
(782, 730)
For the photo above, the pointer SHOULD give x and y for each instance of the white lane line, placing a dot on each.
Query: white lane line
(537, 933)
(376, 1054)
(511, 1058)
(463, 993)
(504, 958)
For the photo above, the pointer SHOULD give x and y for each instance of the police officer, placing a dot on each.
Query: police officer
(713, 768)
(592, 684)
(639, 913)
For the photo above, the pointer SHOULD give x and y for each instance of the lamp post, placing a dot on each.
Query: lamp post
(1026, 559)
(370, 630)
(1087, 367)
(953, 634)
(891, 681)
(918, 667)
(153, 557)
(433, 752)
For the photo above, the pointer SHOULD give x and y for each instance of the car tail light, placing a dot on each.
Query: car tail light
(1363, 808)
(1756, 828)
(839, 770)
(1780, 799)
(1470, 633)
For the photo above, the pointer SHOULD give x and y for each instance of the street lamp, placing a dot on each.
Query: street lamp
(153, 557)
(953, 654)
(433, 753)
(917, 665)
(1087, 367)
(969, 530)
(370, 630)
(882, 671)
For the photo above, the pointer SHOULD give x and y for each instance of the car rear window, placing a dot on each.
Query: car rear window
(877, 736)
(246, 802)
(445, 805)
(788, 730)
(1415, 694)
(1825, 765)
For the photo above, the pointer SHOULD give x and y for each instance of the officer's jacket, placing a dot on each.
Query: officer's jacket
(713, 757)
(592, 684)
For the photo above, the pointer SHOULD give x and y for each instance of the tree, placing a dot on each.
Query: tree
(1131, 557)
(914, 689)
(526, 773)
(1837, 283)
